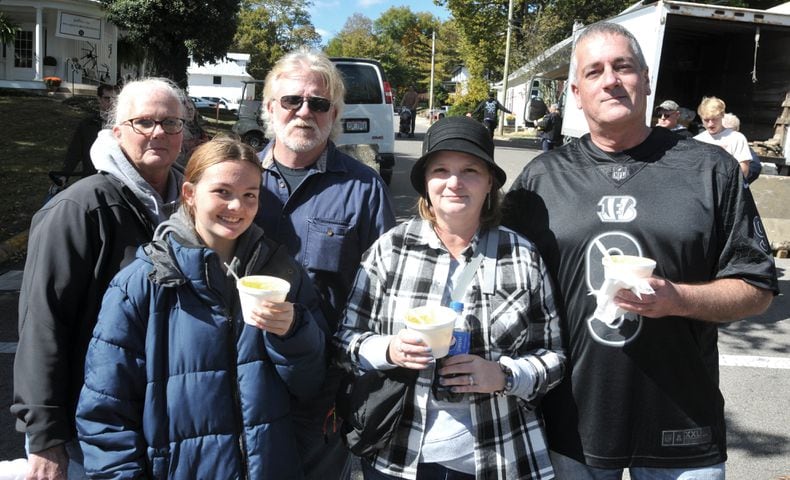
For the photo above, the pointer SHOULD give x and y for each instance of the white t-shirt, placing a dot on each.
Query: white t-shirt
(733, 142)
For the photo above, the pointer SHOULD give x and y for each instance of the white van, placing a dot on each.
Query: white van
(368, 116)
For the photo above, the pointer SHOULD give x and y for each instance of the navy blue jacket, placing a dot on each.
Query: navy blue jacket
(177, 386)
(328, 221)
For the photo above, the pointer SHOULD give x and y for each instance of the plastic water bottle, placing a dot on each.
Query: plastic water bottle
(459, 345)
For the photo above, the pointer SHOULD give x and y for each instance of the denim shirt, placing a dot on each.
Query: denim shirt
(328, 221)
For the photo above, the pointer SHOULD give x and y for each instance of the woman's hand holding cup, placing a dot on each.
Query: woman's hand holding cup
(408, 349)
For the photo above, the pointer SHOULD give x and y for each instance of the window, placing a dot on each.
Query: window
(217, 80)
(23, 49)
(362, 83)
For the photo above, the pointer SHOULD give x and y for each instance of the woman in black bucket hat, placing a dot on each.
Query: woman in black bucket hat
(472, 414)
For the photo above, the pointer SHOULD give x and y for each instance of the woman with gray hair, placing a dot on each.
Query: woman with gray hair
(78, 241)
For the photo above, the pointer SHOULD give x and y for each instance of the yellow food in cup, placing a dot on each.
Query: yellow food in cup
(420, 319)
(258, 285)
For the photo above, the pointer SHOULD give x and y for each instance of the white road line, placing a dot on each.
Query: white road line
(754, 362)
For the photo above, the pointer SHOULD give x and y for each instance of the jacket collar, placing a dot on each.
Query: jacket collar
(328, 161)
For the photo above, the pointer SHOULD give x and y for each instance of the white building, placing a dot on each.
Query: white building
(72, 34)
(223, 79)
(459, 81)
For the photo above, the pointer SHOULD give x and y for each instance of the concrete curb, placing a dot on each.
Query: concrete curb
(13, 246)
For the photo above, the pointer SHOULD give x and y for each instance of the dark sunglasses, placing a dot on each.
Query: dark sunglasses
(315, 104)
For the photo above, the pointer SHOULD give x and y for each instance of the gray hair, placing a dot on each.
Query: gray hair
(305, 60)
(142, 88)
(609, 28)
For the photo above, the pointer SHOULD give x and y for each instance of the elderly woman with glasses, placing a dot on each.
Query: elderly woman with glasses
(78, 241)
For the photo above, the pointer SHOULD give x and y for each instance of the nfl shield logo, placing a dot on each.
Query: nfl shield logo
(619, 173)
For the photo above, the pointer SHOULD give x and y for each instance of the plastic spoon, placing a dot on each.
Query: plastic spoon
(231, 271)
(603, 249)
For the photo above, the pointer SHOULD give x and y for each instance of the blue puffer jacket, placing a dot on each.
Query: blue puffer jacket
(177, 386)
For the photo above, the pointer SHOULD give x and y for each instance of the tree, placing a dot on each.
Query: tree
(355, 39)
(169, 31)
(536, 26)
(270, 28)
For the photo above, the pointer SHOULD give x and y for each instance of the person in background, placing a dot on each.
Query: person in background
(669, 114)
(490, 108)
(642, 391)
(327, 208)
(493, 428)
(194, 134)
(550, 127)
(177, 385)
(410, 100)
(78, 242)
(711, 111)
(79, 150)
(731, 121)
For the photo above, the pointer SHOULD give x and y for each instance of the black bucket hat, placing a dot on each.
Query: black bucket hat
(456, 134)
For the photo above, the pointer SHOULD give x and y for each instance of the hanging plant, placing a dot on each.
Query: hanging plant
(8, 29)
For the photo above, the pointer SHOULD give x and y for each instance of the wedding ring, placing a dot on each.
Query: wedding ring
(471, 381)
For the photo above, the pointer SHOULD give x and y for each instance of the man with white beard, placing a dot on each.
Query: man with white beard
(327, 209)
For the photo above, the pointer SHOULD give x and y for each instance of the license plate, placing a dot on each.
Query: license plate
(355, 126)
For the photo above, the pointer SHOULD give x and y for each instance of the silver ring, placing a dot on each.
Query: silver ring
(471, 381)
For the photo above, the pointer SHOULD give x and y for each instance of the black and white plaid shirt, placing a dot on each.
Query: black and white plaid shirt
(408, 267)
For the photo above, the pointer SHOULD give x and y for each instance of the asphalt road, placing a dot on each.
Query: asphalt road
(755, 372)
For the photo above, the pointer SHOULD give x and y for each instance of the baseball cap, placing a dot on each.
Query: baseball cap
(456, 134)
(668, 106)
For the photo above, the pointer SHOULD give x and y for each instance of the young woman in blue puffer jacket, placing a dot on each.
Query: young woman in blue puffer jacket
(177, 385)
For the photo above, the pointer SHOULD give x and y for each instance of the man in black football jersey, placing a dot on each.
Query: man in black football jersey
(643, 391)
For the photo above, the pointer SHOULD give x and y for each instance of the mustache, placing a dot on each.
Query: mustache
(303, 123)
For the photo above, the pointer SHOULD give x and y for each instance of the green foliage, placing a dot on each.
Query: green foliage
(401, 40)
(169, 31)
(268, 29)
(8, 29)
(356, 39)
(536, 26)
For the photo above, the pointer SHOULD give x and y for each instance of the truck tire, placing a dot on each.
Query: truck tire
(255, 139)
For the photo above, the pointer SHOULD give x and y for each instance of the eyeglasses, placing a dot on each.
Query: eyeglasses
(315, 104)
(146, 126)
(666, 114)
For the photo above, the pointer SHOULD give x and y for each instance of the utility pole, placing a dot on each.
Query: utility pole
(430, 98)
(507, 62)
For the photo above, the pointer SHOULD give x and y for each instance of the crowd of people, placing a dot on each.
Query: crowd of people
(136, 360)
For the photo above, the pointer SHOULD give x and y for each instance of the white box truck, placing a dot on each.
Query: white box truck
(692, 50)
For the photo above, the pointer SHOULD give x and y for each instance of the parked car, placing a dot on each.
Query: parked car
(368, 120)
(203, 103)
(249, 125)
(439, 113)
(224, 103)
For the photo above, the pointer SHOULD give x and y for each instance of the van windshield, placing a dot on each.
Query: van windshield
(362, 84)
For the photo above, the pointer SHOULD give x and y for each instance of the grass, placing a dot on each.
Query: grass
(36, 132)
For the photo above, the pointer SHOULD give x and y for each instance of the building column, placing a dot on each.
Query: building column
(38, 53)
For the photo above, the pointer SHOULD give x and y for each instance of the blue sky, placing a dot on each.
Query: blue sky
(329, 16)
